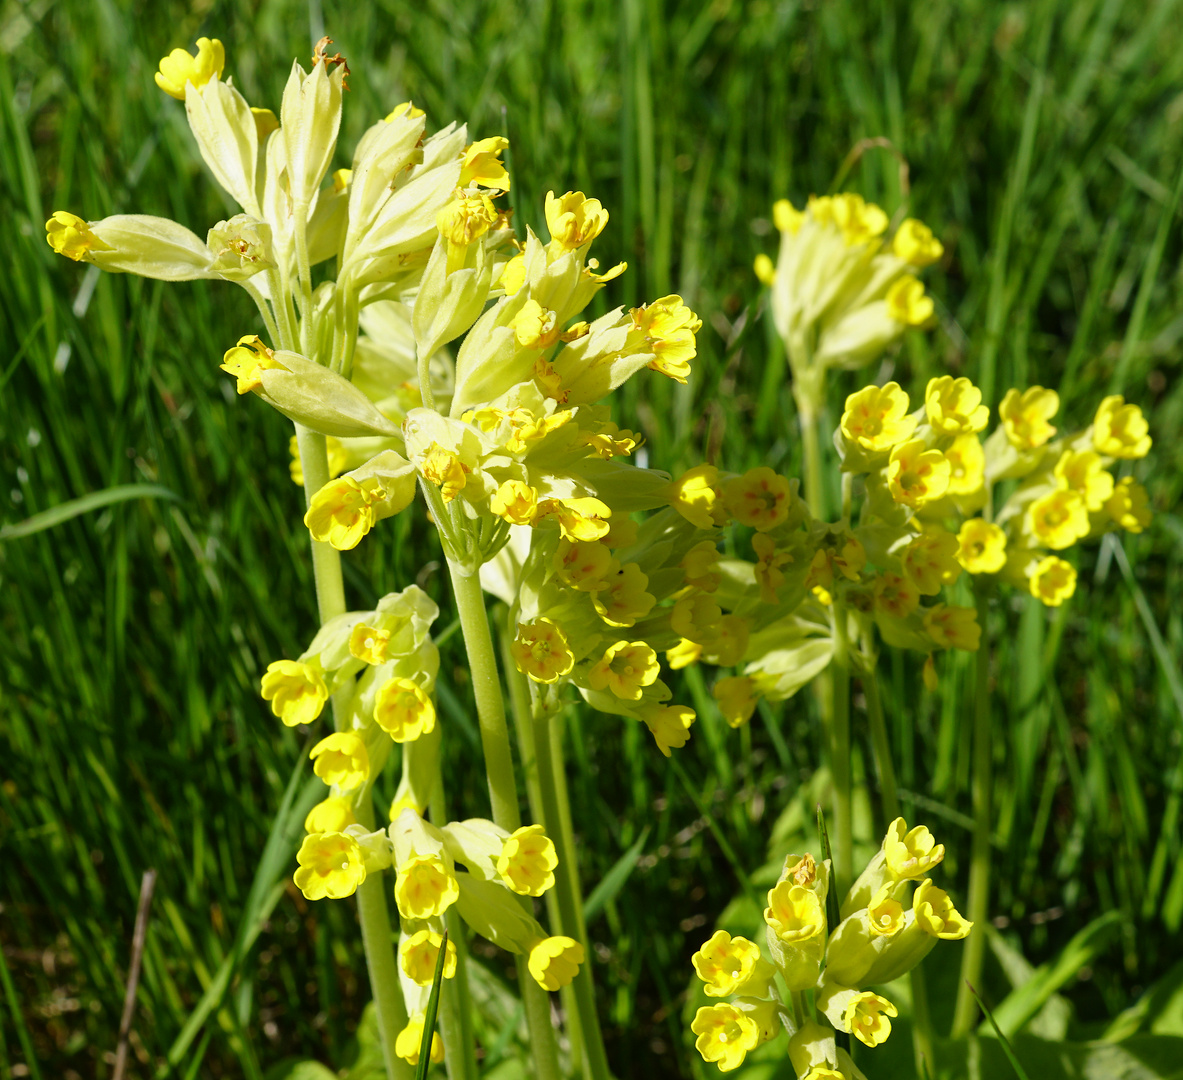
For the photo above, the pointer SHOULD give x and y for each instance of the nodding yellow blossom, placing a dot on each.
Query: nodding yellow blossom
(876, 418)
(953, 627)
(669, 725)
(930, 560)
(69, 235)
(725, 1035)
(700, 565)
(915, 475)
(246, 360)
(583, 566)
(403, 710)
(696, 617)
(1120, 430)
(866, 1017)
(685, 653)
(1058, 519)
(410, 1041)
(954, 406)
(624, 599)
(342, 512)
(515, 501)
(1052, 581)
(895, 595)
(443, 468)
(860, 221)
(695, 495)
(1025, 416)
(794, 912)
(737, 699)
(527, 861)
(731, 965)
(333, 814)
(418, 954)
(764, 269)
(582, 519)
(1084, 472)
(885, 915)
(908, 303)
(910, 853)
(554, 961)
(180, 67)
(405, 108)
(626, 668)
(1129, 505)
(297, 691)
(369, 644)
(936, 915)
(483, 165)
(540, 651)
(425, 887)
(769, 561)
(573, 219)
(669, 327)
(760, 498)
(331, 865)
(981, 546)
(466, 218)
(915, 244)
(338, 458)
(967, 465)
(611, 441)
(731, 641)
(536, 327)
(786, 217)
(341, 761)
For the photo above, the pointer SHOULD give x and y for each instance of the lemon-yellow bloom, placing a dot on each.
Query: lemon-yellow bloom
(954, 406)
(859, 220)
(764, 269)
(737, 699)
(369, 644)
(1052, 581)
(466, 218)
(696, 617)
(761, 498)
(527, 861)
(246, 360)
(1060, 518)
(1129, 505)
(554, 961)
(967, 465)
(683, 654)
(483, 165)
(624, 599)
(1025, 416)
(930, 560)
(907, 301)
(725, 1035)
(516, 501)
(731, 965)
(584, 567)
(69, 235)
(573, 219)
(915, 244)
(425, 887)
(669, 326)
(936, 915)
(297, 691)
(1120, 430)
(407, 109)
(536, 327)
(981, 546)
(443, 467)
(578, 519)
(410, 1041)
(866, 1017)
(418, 954)
(795, 913)
(342, 512)
(540, 651)
(403, 710)
(700, 565)
(915, 475)
(786, 217)
(626, 668)
(953, 627)
(695, 495)
(333, 814)
(331, 865)
(341, 761)
(910, 853)
(180, 67)
(876, 418)
(885, 915)
(669, 725)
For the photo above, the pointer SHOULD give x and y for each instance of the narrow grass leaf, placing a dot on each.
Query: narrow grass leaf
(1006, 1046)
(613, 881)
(84, 504)
(433, 1004)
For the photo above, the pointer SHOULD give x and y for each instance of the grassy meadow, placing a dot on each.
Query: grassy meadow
(1043, 142)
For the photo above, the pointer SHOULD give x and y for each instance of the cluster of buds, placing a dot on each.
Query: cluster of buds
(891, 918)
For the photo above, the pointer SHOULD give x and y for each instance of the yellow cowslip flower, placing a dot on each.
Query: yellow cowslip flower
(669, 327)
(885, 915)
(407, 109)
(342, 512)
(895, 595)
(954, 406)
(952, 627)
(967, 465)
(1120, 430)
(331, 865)
(769, 561)
(731, 965)
(725, 1035)
(907, 301)
(536, 327)
(1052, 581)
(369, 644)
(418, 954)
(69, 235)
(513, 275)
(624, 599)
(425, 887)
(803, 871)
(466, 218)
(297, 691)
(540, 651)
(246, 360)
(1129, 505)
(483, 165)
(410, 1041)
(333, 814)
(516, 502)
(696, 496)
(876, 418)
(737, 699)
(669, 725)
(915, 475)
(696, 617)
(685, 653)
(582, 519)
(338, 457)
(443, 468)
(786, 217)
(1084, 472)
(1025, 416)
(626, 668)
(403, 710)
(936, 915)
(764, 269)
(611, 441)
(910, 853)
(180, 67)
(527, 861)
(866, 1017)
(915, 244)
(930, 560)
(730, 641)
(981, 546)
(860, 221)
(795, 913)
(760, 498)
(554, 961)
(583, 567)
(341, 761)
(1060, 518)
(573, 219)
(699, 565)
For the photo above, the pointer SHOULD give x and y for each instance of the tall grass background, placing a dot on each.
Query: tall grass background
(1043, 144)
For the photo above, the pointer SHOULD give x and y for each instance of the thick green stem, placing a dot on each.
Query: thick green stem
(840, 753)
(815, 492)
(326, 559)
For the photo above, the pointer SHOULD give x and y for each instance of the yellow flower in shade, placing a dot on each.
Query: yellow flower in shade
(696, 617)
(341, 761)
(1084, 473)
(410, 1041)
(769, 561)
(700, 563)
(669, 725)
(554, 961)
(369, 644)
(515, 501)
(1129, 505)
(737, 699)
(910, 853)
(623, 599)
(418, 954)
(915, 475)
(331, 865)
(885, 915)
(333, 814)
(669, 327)
(246, 360)
(760, 498)
(1052, 581)
(794, 913)
(466, 218)
(1025, 416)
(895, 595)
(936, 915)
(685, 653)
(527, 861)
(981, 546)
(584, 566)
(786, 217)
(403, 710)
(695, 495)
(915, 244)
(967, 465)
(536, 327)
(540, 651)
(731, 641)
(764, 269)
(69, 235)
(626, 668)
(953, 627)
(731, 965)
(297, 691)
(1120, 430)
(443, 468)
(725, 1035)
(930, 560)
(579, 519)
(573, 219)
(483, 165)
(908, 303)
(866, 1017)
(180, 67)
(425, 887)
(876, 418)
(1058, 519)
(954, 406)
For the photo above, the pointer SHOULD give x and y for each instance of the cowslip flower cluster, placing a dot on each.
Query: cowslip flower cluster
(817, 980)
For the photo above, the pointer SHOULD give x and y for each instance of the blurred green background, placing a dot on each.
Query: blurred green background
(1043, 144)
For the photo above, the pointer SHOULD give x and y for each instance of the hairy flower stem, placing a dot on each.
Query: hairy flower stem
(840, 752)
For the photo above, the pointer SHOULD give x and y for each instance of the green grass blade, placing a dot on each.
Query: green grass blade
(84, 504)
(1006, 1046)
(433, 1004)
(613, 881)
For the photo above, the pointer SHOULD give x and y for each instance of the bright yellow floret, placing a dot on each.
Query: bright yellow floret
(760, 498)
(914, 243)
(246, 360)
(410, 1041)
(967, 465)
(866, 1017)
(69, 235)
(915, 475)
(936, 915)
(573, 219)
(527, 861)
(731, 965)
(403, 710)
(1129, 505)
(180, 67)
(981, 546)
(540, 651)
(725, 1035)
(1120, 430)
(297, 691)
(425, 887)
(1052, 581)
(953, 627)
(341, 761)
(910, 853)
(626, 668)
(1025, 416)
(669, 725)
(930, 560)
(954, 406)
(483, 165)
(908, 303)
(418, 954)
(334, 814)
(669, 329)
(794, 913)
(331, 865)
(554, 961)
(876, 418)
(1058, 519)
